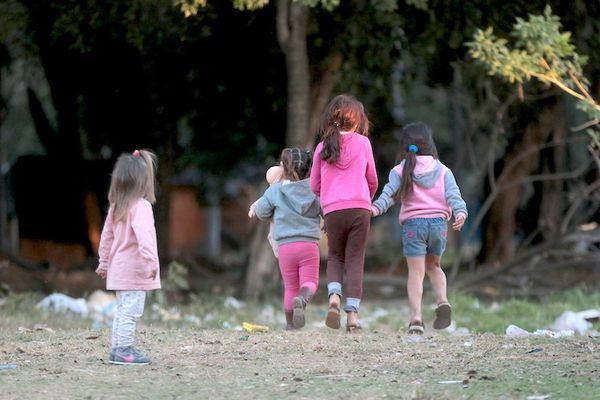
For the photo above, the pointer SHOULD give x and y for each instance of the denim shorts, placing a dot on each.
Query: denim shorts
(422, 236)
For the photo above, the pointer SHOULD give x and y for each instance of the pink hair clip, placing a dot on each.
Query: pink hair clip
(136, 153)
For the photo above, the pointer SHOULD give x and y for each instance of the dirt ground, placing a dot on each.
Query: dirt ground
(315, 363)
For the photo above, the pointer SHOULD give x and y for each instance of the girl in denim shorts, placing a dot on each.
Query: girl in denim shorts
(429, 197)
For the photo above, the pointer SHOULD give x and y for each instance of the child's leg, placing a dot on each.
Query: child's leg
(308, 267)
(130, 306)
(437, 277)
(414, 287)
(336, 242)
(359, 223)
(308, 274)
(288, 267)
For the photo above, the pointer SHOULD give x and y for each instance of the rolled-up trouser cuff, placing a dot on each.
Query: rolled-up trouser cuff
(352, 304)
(334, 288)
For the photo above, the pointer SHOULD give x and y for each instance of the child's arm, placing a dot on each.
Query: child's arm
(315, 171)
(265, 206)
(386, 198)
(455, 201)
(106, 240)
(371, 172)
(142, 223)
(252, 209)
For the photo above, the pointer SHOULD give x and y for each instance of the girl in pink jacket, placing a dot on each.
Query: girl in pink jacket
(343, 175)
(128, 251)
(430, 197)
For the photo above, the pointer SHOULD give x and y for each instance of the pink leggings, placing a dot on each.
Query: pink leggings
(299, 266)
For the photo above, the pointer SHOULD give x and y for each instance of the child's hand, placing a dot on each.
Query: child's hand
(153, 273)
(374, 211)
(251, 212)
(459, 221)
(101, 273)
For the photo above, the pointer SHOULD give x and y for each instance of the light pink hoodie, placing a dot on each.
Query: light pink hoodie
(128, 250)
(351, 182)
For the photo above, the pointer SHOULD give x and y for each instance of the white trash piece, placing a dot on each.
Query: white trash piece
(61, 303)
(515, 331)
(575, 321)
(554, 334)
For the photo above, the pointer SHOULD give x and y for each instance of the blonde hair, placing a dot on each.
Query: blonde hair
(132, 178)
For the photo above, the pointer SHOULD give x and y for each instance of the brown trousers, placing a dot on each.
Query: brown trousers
(347, 232)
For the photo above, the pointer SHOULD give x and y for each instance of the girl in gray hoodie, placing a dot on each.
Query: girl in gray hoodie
(296, 215)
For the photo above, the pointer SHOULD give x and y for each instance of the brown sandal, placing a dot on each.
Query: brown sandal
(443, 316)
(333, 317)
(416, 328)
(354, 328)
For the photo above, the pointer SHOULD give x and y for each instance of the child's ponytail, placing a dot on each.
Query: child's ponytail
(416, 139)
(406, 186)
(331, 144)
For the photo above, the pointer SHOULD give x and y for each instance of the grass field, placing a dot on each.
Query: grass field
(56, 357)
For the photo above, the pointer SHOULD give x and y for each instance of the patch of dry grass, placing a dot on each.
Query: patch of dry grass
(315, 363)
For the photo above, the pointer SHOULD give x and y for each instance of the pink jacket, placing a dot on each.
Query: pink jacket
(351, 182)
(128, 250)
(435, 192)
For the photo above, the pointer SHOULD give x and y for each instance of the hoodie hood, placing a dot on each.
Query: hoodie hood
(298, 196)
(348, 153)
(426, 172)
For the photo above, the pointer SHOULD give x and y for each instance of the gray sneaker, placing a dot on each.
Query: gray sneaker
(127, 356)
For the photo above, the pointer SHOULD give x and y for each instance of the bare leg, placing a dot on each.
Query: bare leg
(437, 277)
(414, 287)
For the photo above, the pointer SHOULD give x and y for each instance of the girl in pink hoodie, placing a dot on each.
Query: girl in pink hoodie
(343, 175)
(128, 251)
(430, 197)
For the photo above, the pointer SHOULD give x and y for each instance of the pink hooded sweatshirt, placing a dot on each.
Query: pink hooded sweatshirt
(351, 182)
(435, 192)
(128, 250)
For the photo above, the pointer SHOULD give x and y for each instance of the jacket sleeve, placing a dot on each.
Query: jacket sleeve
(265, 206)
(371, 172)
(315, 171)
(106, 241)
(142, 223)
(453, 196)
(386, 198)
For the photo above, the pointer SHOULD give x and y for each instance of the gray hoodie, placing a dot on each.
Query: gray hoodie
(295, 210)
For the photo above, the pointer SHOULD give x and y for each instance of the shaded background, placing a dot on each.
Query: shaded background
(215, 95)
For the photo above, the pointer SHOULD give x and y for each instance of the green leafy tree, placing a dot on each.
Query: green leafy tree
(540, 50)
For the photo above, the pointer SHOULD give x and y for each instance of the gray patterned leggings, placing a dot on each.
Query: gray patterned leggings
(130, 306)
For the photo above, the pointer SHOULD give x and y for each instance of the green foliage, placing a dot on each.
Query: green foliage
(540, 50)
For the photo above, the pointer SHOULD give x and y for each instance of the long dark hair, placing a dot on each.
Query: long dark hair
(343, 113)
(416, 139)
(296, 163)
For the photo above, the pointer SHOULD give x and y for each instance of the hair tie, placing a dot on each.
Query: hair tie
(413, 148)
(136, 153)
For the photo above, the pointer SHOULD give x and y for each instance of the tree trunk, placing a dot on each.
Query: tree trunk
(321, 89)
(502, 224)
(262, 276)
(291, 34)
